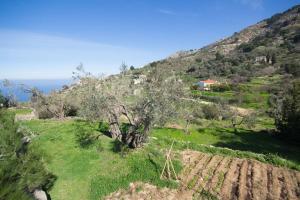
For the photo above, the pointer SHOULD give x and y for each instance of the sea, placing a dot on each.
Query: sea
(45, 86)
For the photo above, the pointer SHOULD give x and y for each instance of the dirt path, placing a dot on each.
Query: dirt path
(207, 176)
(239, 110)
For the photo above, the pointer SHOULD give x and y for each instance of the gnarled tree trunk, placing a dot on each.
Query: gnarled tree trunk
(114, 126)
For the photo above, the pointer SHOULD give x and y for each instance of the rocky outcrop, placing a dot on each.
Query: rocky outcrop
(40, 195)
(25, 117)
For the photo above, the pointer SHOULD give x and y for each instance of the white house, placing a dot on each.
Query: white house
(205, 85)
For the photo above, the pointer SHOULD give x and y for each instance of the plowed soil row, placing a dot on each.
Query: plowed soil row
(234, 178)
(208, 176)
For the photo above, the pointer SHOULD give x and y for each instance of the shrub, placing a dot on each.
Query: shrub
(199, 60)
(191, 70)
(220, 88)
(103, 127)
(210, 111)
(287, 113)
(246, 47)
(84, 134)
(291, 68)
(7, 101)
(21, 172)
(194, 87)
(71, 110)
(43, 113)
(2, 100)
(219, 56)
(297, 38)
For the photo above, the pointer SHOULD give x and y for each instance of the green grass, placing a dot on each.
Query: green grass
(254, 143)
(93, 172)
(22, 111)
(254, 93)
(271, 158)
(87, 173)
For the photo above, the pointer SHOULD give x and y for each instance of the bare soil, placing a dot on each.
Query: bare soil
(242, 179)
(208, 176)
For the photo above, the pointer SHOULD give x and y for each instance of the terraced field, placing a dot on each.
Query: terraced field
(208, 176)
(233, 178)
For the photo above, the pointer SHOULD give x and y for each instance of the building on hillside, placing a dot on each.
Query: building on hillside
(139, 79)
(205, 85)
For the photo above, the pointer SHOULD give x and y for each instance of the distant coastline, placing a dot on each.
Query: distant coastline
(44, 85)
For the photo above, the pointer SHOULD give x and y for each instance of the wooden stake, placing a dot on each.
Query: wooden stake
(168, 164)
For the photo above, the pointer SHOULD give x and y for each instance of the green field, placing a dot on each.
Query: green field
(254, 94)
(99, 169)
(94, 171)
(219, 134)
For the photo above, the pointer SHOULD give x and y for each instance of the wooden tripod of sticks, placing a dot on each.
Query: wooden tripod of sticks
(168, 167)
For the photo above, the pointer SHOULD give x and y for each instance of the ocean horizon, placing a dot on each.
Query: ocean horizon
(44, 85)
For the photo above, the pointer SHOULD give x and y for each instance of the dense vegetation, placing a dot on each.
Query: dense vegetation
(5, 101)
(267, 48)
(286, 111)
(21, 168)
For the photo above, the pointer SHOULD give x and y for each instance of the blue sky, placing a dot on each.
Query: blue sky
(47, 39)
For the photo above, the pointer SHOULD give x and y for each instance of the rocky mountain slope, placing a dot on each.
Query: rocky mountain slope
(269, 47)
(261, 49)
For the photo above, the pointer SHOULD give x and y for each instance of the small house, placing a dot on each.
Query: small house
(205, 84)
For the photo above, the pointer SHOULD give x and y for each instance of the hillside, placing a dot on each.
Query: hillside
(152, 133)
(261, 49)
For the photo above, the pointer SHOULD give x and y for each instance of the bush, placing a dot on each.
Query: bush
(21, 172)
(210, 111)
(191, 70)
(287, 113)
(7, 101)
(103, 127)
(219, 56)
(220, 88)
(291, 68)
(2, 100)
(84, 134)
(71, 111)
(43, 113)
(194, 87)
(246, 47)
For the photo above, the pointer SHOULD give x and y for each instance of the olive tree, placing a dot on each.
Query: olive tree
(102, 100)
(10, 99)
(57, 104)
(285, 109)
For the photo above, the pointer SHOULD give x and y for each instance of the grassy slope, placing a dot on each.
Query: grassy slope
(90, 173)
(255, 94)
(87, 173)
(219, 134)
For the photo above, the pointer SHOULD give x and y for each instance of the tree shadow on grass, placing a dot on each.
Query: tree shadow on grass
(155, 164)
(120, 148)
(256, 141)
